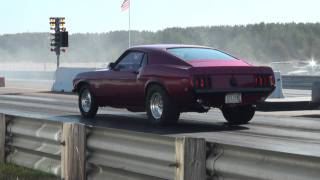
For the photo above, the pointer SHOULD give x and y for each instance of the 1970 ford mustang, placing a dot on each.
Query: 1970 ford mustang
(165, 80)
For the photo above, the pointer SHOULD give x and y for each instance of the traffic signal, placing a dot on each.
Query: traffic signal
(64, 39)
(56, 40)
(52, 22)
(62, 22)
(60, 36)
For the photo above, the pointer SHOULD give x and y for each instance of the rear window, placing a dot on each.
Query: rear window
(188, 54)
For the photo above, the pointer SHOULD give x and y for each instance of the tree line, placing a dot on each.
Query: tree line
(260, 43)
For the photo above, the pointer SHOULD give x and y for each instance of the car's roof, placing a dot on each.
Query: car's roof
(165, 46)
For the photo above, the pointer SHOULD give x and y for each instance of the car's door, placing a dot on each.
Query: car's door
(126, 90)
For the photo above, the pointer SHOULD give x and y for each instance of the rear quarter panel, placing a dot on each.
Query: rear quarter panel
(174, 78)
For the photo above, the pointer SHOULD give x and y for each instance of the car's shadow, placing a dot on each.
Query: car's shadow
(139, 123)
(12, 94)
(315, 116)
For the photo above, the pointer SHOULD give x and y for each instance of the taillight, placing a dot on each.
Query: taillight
(202, 82)
(260, 81)
(191, 83)
(264, 81)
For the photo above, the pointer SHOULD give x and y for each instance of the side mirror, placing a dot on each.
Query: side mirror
(112, 65)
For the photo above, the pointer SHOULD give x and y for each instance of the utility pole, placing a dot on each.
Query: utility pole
(129, 25)
(126, 5)
(60, 36)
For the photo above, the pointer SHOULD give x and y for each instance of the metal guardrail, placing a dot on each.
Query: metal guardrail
(136, 154)
(34, 144)
(75, 151)
(120, 155)
(229, 162)
(299, 82)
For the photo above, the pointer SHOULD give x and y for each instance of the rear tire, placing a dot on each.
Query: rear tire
(160, 108)
(87, 103)
(238, 115)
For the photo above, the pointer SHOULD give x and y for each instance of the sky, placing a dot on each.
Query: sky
(91, 16)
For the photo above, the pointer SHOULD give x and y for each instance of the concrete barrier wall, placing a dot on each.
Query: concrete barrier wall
(28, 75)
(64, 77)
(278, 92)
(299, 82)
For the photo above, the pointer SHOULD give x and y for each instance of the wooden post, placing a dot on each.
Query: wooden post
(73, 155)
(190, 158)
(3, 129)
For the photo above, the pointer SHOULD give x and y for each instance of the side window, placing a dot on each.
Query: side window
(131, 62)
(144, 60)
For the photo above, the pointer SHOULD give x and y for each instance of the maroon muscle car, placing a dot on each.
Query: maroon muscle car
(165, 80)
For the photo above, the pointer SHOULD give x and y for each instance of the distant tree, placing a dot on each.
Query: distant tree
(257, 42)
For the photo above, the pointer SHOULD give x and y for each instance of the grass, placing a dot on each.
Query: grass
(13, 172)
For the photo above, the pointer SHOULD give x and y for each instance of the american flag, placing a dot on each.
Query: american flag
(125, 5)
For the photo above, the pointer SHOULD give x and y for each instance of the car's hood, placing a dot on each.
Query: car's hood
(217, 63)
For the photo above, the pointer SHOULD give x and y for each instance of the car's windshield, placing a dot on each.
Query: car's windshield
(188, 54)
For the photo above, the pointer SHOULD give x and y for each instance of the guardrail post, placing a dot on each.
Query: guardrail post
(3, 128)
(2, 82)
(73, 154)
(316, 92)
(190, 158)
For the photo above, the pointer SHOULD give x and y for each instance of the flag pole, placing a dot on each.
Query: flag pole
(129, 23)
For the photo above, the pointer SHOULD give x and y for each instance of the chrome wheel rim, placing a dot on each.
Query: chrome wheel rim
(86, 100)
(156, 105)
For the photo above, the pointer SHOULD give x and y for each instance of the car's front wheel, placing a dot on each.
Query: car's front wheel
(239, 114)
(87, 102)
(160, 108)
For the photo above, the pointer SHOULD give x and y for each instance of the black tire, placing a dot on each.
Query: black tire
(239, 114)
(170, 113)
(92, 108)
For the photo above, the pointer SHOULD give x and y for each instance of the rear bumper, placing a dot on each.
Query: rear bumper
(216, 98)
(235, 90)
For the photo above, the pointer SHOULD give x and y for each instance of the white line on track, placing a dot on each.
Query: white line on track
(37, 105)
(22, 97)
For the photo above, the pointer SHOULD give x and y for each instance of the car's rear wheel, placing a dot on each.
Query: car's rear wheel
(87, 103)
(239, 114)
(160, 108)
